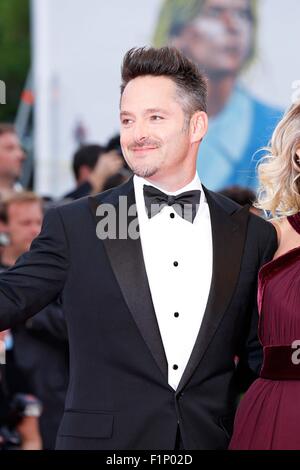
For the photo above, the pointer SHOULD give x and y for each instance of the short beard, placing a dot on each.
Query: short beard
(144, 172)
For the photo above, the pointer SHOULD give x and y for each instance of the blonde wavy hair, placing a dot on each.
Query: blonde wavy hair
(279, 170)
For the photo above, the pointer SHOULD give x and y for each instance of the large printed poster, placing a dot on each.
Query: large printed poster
(221, 37)
(247, 49)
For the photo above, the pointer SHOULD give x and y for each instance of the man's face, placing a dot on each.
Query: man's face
(11, 156)
(220, 38)
(24, 224)
(154, 134)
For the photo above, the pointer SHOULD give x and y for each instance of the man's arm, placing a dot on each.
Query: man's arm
(49, 324)
(251, 356)
(38, 276)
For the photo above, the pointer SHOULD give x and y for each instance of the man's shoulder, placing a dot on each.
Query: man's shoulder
(255, 223)
(81, 191)
(261, 226)
(224, 202)
(262, 234)
(86, 203)
(69, 207)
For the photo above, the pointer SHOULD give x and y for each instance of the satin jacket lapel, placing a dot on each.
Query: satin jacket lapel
(127, 262)
(228, 237)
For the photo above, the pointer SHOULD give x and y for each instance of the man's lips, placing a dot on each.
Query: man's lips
(142, 149)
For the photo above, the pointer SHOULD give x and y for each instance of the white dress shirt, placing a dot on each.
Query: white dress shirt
(179, 293)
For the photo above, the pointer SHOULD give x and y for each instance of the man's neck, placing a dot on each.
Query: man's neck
(9, 256)
(6, 183)
(172, 184)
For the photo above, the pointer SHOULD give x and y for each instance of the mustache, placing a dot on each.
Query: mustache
(145, 143)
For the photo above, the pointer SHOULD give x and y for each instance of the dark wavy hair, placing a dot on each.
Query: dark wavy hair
(169, 62)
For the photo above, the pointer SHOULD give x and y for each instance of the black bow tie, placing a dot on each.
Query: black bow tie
(185, 204)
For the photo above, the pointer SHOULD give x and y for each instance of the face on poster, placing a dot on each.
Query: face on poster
(220, 36)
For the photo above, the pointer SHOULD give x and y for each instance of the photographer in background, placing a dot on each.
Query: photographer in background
(19, 412)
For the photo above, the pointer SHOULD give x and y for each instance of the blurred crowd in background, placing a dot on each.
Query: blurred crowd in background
(34, 380)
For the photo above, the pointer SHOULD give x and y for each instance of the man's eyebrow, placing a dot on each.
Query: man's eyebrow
(156, 110)
(147, 111)
(125, 113)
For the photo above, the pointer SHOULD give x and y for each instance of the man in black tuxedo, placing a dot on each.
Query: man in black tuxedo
(156, 317)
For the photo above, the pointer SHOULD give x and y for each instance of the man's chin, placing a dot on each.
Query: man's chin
(144, 172)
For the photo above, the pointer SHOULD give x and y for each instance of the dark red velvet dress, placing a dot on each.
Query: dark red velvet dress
(268, 416)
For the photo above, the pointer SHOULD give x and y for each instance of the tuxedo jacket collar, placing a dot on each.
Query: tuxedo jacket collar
(127, 262)
(229, 227)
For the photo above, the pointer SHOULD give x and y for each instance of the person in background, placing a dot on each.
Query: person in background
(12, 157)
(220, 36)
(114, 146)
(21, 217)
(268, 417)
(19, 412)
(93, 165)
(39, 347)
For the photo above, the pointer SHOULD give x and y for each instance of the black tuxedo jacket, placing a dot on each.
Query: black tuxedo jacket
(118, 395)
(82, 190)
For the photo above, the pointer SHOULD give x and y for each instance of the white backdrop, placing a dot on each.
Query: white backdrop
(78, 47)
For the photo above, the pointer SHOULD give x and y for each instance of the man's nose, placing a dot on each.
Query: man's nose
(140, 132)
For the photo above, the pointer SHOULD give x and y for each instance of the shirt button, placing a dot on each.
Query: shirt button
(175, 367)
(176, 314)
(172, 215)
(175, 263)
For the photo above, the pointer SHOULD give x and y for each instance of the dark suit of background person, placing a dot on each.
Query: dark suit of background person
(84, 161)
(97, 168)
(118, 395)
(41, 354)
(38, 364)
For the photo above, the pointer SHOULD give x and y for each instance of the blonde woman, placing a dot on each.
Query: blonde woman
(269, 414)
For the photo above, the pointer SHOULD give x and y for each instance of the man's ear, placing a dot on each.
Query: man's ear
(198, 126)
